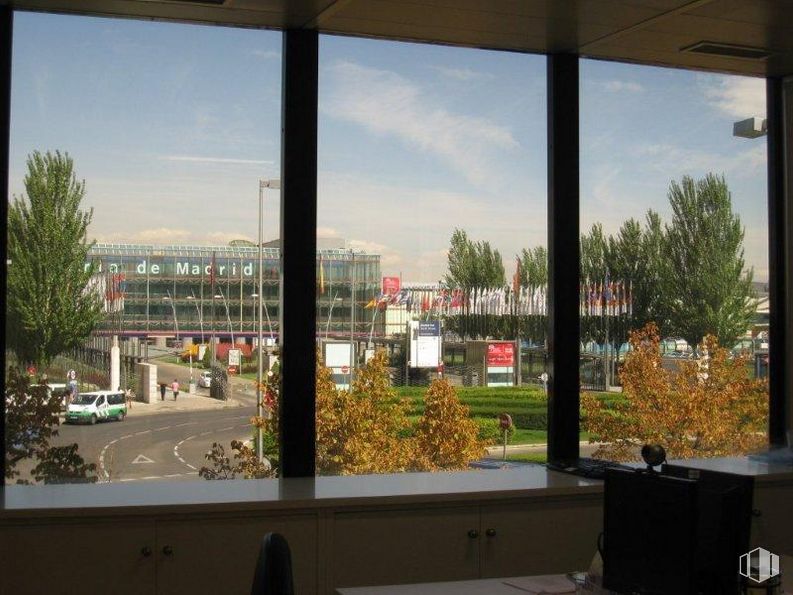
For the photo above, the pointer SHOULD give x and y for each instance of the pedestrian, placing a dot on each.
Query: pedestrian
(175, 388)
(162, 391)
(130, 396)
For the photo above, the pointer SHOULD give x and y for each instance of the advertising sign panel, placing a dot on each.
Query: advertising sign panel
(390, 285)
(501, 354)
(338, 357)
(235, 357)
(425, 344)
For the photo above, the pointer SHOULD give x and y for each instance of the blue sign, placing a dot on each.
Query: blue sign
(430, 329)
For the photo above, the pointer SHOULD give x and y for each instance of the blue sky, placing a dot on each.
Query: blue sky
(172, 125)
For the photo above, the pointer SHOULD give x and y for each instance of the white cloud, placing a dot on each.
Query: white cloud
(461, 74)
(669, 158)
(168, 235)
(327, 232)
(267, 54)
(410, 227)
(199, 159)
(386, 103)
(737, 96)
(616, 86)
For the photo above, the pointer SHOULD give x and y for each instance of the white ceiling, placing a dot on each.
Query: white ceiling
(645, 31)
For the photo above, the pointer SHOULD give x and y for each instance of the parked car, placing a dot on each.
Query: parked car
(205, 379)
(100, 405)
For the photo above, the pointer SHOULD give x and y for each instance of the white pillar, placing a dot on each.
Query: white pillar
(115, 365)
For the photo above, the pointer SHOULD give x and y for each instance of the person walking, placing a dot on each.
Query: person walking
(162, 391)
(175, 388)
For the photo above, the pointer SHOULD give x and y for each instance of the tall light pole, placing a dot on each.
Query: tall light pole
(198, 311)
(228, 316)
(352, 318)
(274, 184)
(169, 299)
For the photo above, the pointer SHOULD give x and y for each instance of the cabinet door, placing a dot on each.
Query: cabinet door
(68, 558)
(205, 555)
(404, 546)
(772, 528)
(540, 536)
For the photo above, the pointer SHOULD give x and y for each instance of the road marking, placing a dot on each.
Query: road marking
(141, 433)
(191, 467)
(141, 459)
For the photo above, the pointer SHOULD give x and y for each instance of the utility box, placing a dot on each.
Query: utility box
(497, 360)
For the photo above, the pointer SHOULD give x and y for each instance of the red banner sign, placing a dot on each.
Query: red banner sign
(390, 285)
(501, 354)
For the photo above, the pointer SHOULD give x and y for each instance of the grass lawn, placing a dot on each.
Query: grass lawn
(534, 457)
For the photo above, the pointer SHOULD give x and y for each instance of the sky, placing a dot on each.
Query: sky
(172, 125)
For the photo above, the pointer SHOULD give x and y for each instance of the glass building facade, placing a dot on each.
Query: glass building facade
(172, 290)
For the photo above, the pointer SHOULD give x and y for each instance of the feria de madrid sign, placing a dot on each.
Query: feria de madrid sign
(185, 268)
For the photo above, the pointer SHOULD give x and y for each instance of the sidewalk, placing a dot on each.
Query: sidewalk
(185, 402)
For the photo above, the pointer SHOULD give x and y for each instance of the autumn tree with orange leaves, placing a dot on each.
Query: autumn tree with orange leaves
(708, 407)
(363, 430)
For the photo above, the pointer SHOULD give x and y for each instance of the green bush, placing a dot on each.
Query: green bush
(490, 431)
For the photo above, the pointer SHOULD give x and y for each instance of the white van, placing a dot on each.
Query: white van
(99, 405)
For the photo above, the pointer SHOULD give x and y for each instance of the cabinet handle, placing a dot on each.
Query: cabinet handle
(490, 532)
(145, 551)
(167, 550)
(473, 533)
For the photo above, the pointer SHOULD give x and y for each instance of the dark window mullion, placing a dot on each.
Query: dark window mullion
(563, 257)
(298, 252)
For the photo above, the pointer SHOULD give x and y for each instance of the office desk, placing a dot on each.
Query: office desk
(490, 586)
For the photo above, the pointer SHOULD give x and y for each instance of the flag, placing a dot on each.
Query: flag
(321, 277)
(370, 304)
(516, 277)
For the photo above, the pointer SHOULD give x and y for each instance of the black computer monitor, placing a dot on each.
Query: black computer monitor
(724, 526)
(649, 533)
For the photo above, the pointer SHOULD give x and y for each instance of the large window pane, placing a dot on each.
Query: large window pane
(431, 188)
(167, 130)
(674, 250)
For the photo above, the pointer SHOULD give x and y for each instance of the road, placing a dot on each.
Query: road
(167, 446)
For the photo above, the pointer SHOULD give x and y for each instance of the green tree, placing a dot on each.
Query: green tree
(31, 420)
(473, 264)
(594, 254)
(708, 289)
(49, 308)
(534, 267)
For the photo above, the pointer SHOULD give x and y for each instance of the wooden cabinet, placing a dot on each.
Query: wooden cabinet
(210, 556)
(405, 546)
(539, 536)
(514, 538)
(772, 523)
(88, 557)
(195, 555)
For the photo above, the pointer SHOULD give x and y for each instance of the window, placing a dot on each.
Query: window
(169, 127)
(674, 249)
(432, 264)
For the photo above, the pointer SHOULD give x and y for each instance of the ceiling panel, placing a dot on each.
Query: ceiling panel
(649, 31)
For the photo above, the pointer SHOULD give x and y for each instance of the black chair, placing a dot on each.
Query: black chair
(273, 575)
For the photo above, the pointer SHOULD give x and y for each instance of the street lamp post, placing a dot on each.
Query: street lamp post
(352, 318)
(228, 316)
(169, 299)
(198, 311)
(274, 184)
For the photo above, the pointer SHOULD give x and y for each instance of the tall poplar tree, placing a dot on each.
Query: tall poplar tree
(50, 307)
(708, 289)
